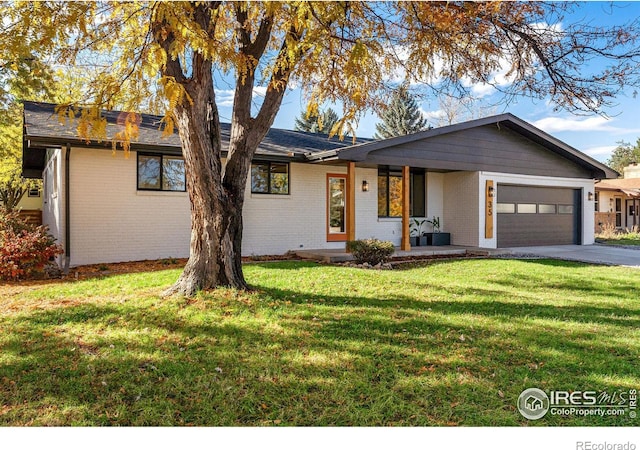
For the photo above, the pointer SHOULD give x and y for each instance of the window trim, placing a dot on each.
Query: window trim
(337, 237)
(389, 172)
(161, 156)
(269, 163)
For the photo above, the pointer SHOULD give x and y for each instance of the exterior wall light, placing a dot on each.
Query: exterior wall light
(365, 186)
(590, 196)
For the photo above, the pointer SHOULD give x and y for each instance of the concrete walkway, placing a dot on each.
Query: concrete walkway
(600, 254)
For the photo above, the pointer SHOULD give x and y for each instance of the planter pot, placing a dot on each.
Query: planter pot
(418, 241)
(438, 238)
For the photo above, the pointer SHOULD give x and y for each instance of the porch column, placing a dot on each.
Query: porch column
(405, 243)
(351, 201)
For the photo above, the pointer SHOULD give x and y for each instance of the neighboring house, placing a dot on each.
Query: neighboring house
(30, 206)
(618, 201)
(494, 182)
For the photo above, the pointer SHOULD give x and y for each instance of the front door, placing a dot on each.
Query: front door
(336, 207)
(618, 212)
(633, 218)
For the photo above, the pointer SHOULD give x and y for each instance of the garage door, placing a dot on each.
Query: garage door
(530, 215)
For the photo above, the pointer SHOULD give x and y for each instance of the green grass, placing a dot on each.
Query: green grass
(612, 237)
(623, 240)
(448, 343)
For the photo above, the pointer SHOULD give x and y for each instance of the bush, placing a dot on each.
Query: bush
(372, 251)
(24, 249)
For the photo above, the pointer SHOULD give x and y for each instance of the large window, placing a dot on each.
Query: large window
(390, 193)
(270, 178)
(161, 173)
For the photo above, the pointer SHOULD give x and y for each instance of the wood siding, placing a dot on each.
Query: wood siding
(484, 148)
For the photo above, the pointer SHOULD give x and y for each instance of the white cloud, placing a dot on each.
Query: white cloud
(498, 78)
(598, 152)
(224, 97)
(260, 90)
(437, 114)
(553, 124)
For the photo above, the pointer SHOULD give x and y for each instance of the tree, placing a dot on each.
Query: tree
(336, 52)
(12, 185)
(317, 123)
(455, 110)
(623, 155)
(402, 116)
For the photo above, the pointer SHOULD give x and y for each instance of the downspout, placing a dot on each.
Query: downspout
(67, 213)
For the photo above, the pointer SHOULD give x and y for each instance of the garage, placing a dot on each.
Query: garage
(533, 215)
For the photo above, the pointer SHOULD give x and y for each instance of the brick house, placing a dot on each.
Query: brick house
(493, 182)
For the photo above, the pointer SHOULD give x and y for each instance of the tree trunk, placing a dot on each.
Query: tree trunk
(216, 208)
(216, 193)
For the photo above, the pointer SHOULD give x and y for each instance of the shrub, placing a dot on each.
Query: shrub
(607, 231)
(24, 249)
(372, 251)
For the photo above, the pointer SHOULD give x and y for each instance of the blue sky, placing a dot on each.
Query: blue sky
(592, 134)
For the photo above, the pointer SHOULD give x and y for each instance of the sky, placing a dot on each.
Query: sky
(595, 135)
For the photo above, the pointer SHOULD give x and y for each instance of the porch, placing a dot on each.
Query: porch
(338, 255)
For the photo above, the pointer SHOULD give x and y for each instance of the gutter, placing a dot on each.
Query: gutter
(67, 212)
(328, 155)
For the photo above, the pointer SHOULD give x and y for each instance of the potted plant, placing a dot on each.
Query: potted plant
(437, 237)
(418, 237)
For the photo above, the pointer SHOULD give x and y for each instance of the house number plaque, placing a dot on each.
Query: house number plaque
(488, 215)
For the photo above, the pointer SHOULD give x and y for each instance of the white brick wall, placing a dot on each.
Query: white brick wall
(435, 197)
(111, 221)
(461, 207)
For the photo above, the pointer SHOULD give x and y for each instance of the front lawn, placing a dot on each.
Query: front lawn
(448, 343)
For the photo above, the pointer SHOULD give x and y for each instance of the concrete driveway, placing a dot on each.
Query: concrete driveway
(601, 254)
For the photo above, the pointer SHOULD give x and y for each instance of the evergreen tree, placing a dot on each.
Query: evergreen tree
(401, 117)
(317, 124)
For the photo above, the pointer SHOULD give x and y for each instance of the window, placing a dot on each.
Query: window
(34, 192)
(269, 178)
(526, 208)
(161, 173)
(596, 205)
(506, 208)
(565, 209)
(546, 209)
(336, 207)
(417, 195)
(390, 193)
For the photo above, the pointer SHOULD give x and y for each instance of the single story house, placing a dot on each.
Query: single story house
(493, 182)
(617, 202)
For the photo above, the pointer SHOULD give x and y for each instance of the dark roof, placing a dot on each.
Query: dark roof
(360, 152)
(43, 127)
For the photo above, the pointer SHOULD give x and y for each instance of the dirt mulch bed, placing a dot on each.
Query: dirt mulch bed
(106, 269)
